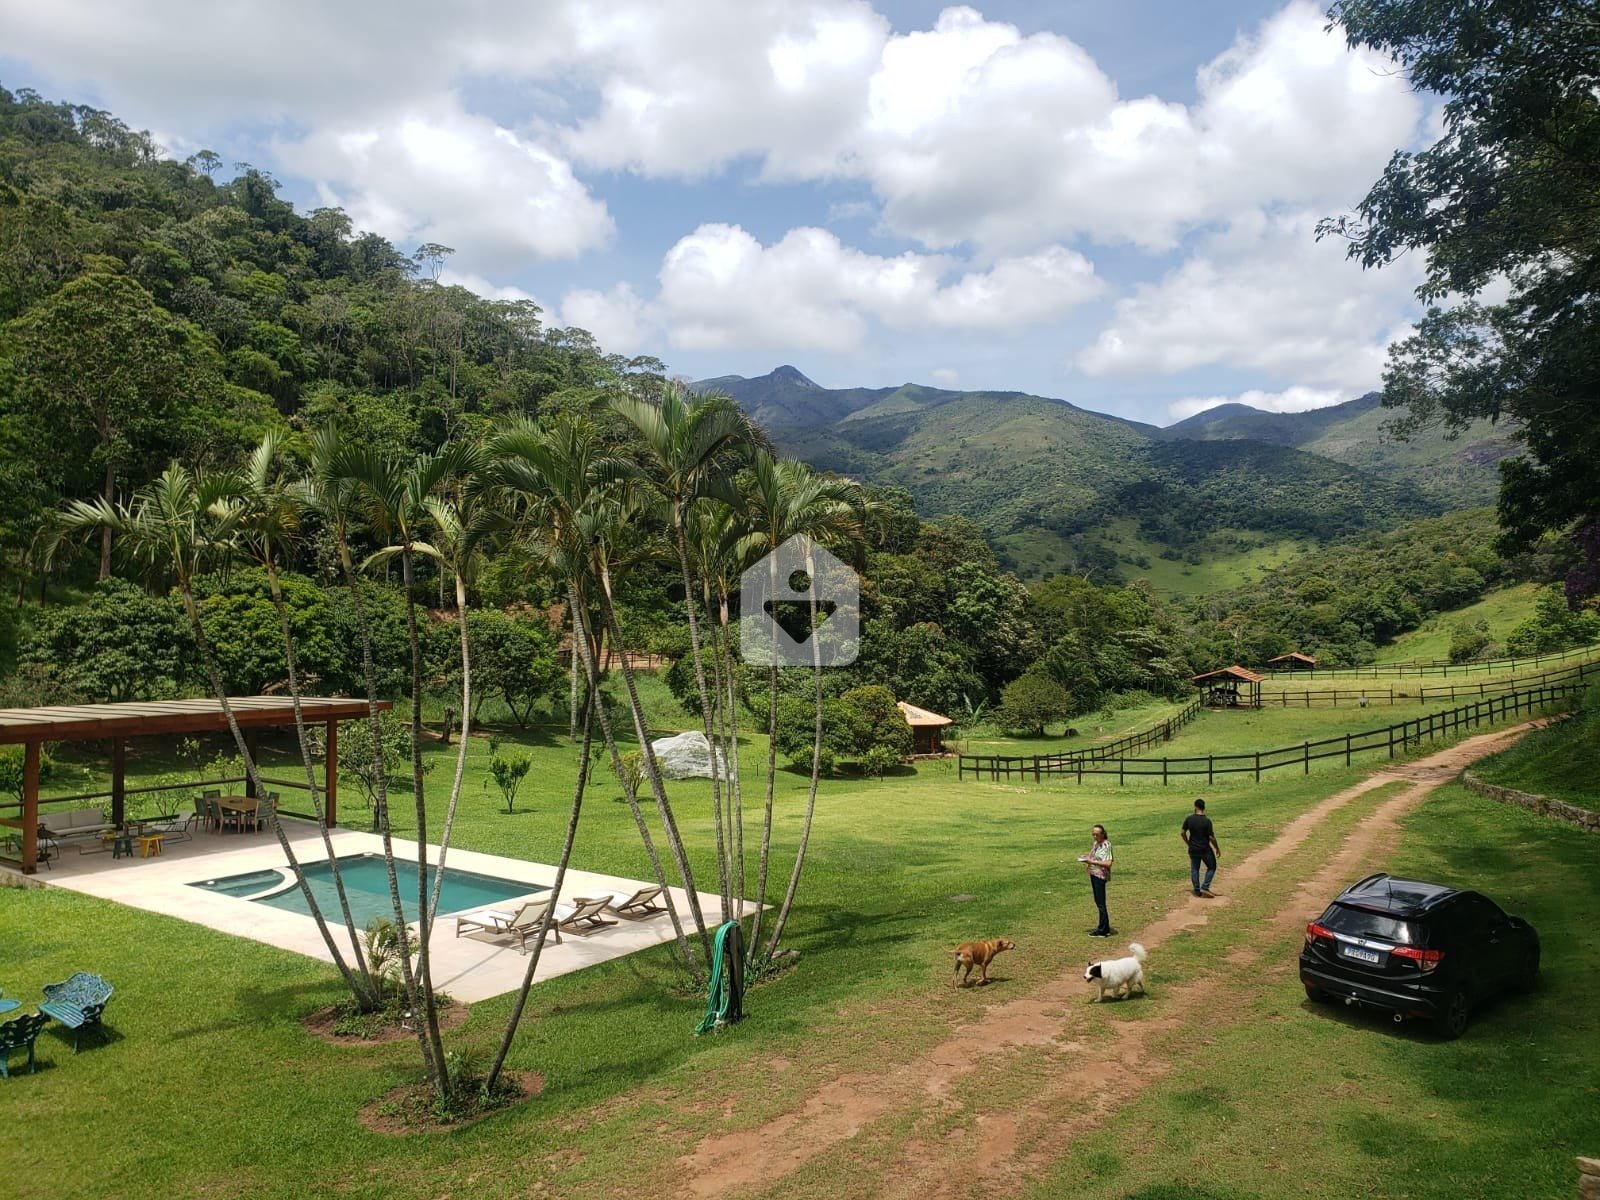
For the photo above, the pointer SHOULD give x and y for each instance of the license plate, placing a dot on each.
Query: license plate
(1356, 952)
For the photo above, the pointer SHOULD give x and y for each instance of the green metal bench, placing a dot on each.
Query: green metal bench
(77, 1003)
(19, 1033)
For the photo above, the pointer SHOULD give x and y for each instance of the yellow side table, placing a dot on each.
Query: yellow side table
(149, 844)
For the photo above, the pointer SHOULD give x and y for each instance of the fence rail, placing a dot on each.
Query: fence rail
(1391, 738)
(1437, 666)
(1363, 697)
(1070, 760)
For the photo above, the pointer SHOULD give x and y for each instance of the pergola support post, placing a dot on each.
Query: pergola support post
(30, 808)
(119, 780)
(330, 776)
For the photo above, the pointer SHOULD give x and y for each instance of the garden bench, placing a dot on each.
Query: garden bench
(77, 1003)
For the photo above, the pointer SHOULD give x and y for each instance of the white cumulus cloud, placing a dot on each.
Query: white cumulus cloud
(720, 287)
(1294, 399)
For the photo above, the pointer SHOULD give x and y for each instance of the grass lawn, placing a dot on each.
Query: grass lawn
(209, 1087)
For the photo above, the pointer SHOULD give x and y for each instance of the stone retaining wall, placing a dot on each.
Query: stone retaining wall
(1543, 805)
(1589, 1179)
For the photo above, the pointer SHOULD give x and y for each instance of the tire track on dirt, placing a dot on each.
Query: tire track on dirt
(1007, 1150)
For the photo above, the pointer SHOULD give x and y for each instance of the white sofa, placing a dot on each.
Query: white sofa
(68, 824)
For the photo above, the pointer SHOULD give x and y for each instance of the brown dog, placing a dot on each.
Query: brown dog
(980, 955)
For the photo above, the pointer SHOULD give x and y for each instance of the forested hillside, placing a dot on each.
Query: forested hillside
(152, 309)
(1057, 487)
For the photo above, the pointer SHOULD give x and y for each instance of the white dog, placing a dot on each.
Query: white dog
(1117, 975)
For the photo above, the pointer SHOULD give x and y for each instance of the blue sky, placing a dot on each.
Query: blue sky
(1111, 204)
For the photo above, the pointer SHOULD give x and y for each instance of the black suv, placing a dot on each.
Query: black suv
(1417, 950)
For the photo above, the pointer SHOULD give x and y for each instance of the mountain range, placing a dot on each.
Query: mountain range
(1058, 487)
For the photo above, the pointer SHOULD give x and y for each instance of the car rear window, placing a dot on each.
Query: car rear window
(1361, 923)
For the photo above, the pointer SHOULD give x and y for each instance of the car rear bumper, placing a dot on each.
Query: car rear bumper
(1413, 1002)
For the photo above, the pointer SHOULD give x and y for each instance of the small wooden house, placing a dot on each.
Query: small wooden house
(1292, 661)
(1231, 687)
(925, 727)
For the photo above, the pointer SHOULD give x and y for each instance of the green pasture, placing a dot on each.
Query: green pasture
(1502, 610)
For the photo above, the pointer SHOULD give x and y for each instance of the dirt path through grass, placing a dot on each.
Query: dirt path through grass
(946, 1147)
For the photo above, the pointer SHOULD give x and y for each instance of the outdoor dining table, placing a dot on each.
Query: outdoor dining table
(243, 805)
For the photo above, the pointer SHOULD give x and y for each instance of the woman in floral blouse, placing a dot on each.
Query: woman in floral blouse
(1099, 860)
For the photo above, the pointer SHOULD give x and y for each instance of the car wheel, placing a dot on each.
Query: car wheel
(1316, 995)
(1450, 1022)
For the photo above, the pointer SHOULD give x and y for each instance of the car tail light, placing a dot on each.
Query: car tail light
(1426, 960)
(1315, 931)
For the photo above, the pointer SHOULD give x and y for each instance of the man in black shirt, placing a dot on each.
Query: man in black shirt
(1201, 838)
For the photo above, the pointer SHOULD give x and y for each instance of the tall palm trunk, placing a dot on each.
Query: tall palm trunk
(764, 862)
(521, 1001)
(291, 661)
(630, 791)
(652, 770)
(461, 747)
(706, 717)
(208, 656)
(816, 766)
(428, 1028)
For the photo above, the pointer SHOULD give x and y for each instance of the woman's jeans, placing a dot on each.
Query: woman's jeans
(1099, 886)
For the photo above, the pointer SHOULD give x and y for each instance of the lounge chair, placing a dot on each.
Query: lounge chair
(585, 915)
(643, 903)
(17, 1033)
(78, 1003)
(522, 924)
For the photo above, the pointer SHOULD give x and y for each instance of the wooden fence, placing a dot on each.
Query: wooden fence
(1072, 760)
(1437, 666)
(1364, 696)
(1391, 739)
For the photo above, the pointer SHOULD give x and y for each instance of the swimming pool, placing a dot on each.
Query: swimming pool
(366, 885)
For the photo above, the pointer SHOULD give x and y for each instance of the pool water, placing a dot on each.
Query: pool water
(366, 886)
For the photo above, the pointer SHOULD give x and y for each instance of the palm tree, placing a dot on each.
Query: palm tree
(568, 489)
(785, 499)
(463, 519)
(177, 528)
(692, 445)
(267, 510)
(393, 495)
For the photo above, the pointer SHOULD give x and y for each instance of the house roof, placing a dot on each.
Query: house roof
(916, 717)
(76, 722)
(1233, 672)
(1292, 656)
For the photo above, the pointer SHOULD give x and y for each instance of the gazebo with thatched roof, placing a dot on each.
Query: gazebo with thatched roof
(1231, 687)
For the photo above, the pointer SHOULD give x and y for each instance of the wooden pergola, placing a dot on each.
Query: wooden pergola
(33, 727)
(1231, 687)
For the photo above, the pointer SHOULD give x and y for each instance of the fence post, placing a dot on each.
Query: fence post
(1122, 765)
(1391, 741)
(1347, 749)
(1163, 771)
(1258, 766)
(1308, 758)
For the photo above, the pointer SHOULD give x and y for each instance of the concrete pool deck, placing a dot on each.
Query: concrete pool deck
(470, 968)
